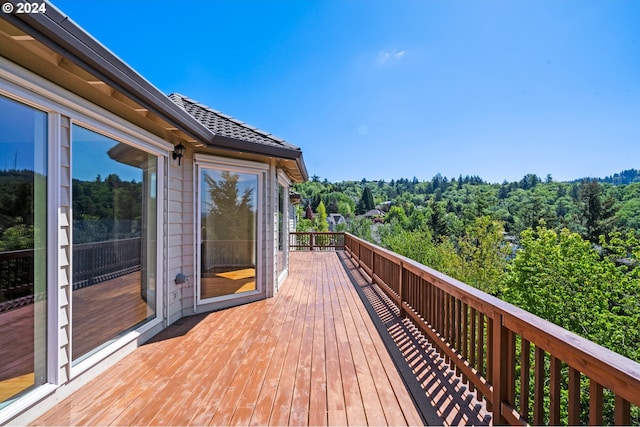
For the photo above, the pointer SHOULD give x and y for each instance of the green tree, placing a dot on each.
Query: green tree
(360, 227)
(597, 213)
(231, 214)
(396, 213)
(366, 201)
(560, 277)
(17, 237)
(483, 254)
(321, 219)
(437, 221)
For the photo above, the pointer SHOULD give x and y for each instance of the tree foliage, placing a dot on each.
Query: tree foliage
(231, 214)
(566, 251)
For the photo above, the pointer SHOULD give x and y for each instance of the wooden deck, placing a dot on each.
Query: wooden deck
(310, 356)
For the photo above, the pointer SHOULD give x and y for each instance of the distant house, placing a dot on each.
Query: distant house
(143, 208)
(384, 206)
(373, 213)
(335, 219)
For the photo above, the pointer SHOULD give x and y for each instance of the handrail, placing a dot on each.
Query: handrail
(316, 240)
(491, 343)
(16, 278)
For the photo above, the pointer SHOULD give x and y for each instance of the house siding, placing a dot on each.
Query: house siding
(181, 241)
(64, 252)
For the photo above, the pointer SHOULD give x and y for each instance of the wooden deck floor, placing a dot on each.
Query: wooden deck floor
(309, 356)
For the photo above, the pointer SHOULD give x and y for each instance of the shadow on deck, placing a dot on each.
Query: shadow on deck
(439, 393)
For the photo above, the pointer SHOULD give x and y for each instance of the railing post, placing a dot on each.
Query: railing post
(311, 241)
(400, 290)
(500, 362)
(373, 266)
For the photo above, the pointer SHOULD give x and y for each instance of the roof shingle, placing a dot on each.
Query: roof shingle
(225, 125)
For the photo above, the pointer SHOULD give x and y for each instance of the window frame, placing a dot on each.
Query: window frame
(104, 351)
(207, 162)
(283, 180)
(129, 139)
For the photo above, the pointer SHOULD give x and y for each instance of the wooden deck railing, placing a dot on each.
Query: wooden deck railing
(16, 278)
(316, 240)
(99, 261)
(528, 370)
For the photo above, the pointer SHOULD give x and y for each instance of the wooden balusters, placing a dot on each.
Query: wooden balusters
(595, 403)
(538, 393)
(574, 396)
(554, 386)
(525, 375)
(480, 337)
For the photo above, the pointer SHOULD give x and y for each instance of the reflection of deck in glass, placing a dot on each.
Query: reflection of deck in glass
(101, 313)
(228, 267)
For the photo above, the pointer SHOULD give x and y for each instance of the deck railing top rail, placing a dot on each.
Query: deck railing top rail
(496, 347)
(316, 240)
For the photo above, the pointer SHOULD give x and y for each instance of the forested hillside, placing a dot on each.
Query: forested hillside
(566, 251)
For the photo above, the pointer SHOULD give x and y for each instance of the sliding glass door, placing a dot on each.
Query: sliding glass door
(114, 240)
(23, 243)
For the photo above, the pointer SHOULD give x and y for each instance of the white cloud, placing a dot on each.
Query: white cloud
(389, 55)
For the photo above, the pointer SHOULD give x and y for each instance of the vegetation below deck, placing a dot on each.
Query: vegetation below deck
(565, 251)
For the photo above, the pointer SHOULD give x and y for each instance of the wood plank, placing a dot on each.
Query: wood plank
(352, 314)
(352, 397)
(318, 396)
(420, 355)
(284, 394)
(198, 366)
(269, 338)
(336, 405)
(300, 399)
(275, 369)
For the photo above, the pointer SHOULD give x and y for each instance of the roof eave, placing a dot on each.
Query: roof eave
(62, 35)
(221, 141)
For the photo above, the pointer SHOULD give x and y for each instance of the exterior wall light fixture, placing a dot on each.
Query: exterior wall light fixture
(178, 152)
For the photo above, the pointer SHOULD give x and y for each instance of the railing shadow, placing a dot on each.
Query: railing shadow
(440, 395)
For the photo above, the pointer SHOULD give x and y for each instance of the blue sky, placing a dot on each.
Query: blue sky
(383, 89)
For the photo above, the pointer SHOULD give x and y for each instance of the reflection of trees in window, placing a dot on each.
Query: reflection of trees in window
(16, 209)
(231, 215)
(106, 209)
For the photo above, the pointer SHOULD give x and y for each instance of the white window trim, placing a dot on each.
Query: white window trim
(283, 180)
(17, 405)
(203, 161)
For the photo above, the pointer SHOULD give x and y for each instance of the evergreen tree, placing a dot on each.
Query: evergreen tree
(597, 215)
(437, 221)
(366, 201)
(231, 215)
(321, 218)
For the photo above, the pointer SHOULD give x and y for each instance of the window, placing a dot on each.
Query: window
(228, 221)
(114, 239)
(282, 229)
(23, 222)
